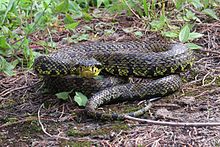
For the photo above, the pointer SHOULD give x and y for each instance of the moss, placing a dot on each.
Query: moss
(208, 79)
(123, 108)
(217, 81)
(35, 126)
(11, 119)
(130, 108)
(77, 133)
(121, 126)
(28, 129)
(8, 103)
(114, 127)
(102, 131)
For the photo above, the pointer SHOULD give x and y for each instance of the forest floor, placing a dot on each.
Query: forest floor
(30, 117)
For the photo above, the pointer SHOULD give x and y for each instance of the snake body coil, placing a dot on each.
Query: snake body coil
(125, 59)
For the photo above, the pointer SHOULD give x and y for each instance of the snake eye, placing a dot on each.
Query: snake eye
(94, 69)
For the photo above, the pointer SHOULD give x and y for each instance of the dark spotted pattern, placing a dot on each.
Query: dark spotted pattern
(122, 59)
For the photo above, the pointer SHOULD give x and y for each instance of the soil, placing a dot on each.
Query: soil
(30, 117)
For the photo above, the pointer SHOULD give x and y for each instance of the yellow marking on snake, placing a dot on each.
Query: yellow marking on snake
(88, 71)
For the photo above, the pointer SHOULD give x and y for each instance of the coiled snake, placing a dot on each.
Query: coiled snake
(121, 60)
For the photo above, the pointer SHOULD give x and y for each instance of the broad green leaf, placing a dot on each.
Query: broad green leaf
(87, 16)
(72, 25)
(3, 43)
(106, 3)
(74, 8)
(36, 54)
(179, 4)
(7, 67)
(128, 30)
(78, 15)
(63, 95)
(6, 30)
(206, 3)
(197, 4)
(63, 6)
(159, 24)
(170, 34)
(68, 19)
(45, 4)
(156, 25)
(99, 2)
(193, 46)
(10, 5)
(138, 34)
(194, 35)
(29, 28)
(190, 15)
(184, 34)
(211, 13)
(80, 99)
(9, 72)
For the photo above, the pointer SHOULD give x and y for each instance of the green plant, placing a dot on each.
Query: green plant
(79, 98)
(20, 19)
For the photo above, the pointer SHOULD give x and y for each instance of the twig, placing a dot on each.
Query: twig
(207, 58)
(196, 12)
(131, 9)
(21, 121)
(10, 91)
(210, 83)
(176, 124)
(207, 91)
(166, 105)
(44, 129)
(203, 80)
(210, 51)
(6, 90)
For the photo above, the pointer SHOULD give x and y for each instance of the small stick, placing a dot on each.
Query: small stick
(11, 90)
(210, 51)
(176, 124)
(203, 80)
(131, 9)
(21, 121)
(44, 129)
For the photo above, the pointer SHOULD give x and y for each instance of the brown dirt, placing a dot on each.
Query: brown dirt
(25, 112)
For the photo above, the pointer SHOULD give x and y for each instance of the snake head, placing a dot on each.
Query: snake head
(88, 68)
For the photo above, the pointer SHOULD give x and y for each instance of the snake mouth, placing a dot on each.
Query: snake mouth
(88, 68)
(88, 71)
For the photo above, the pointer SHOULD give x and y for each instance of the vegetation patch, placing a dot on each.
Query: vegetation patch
(105, 130)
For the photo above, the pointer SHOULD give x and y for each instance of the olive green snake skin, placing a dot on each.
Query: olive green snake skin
(121, 60)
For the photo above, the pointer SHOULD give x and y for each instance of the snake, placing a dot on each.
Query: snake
(125, 66)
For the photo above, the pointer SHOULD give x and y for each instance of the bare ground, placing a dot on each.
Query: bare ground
(30, 117)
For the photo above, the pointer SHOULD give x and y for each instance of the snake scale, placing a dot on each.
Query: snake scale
(125, 66)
